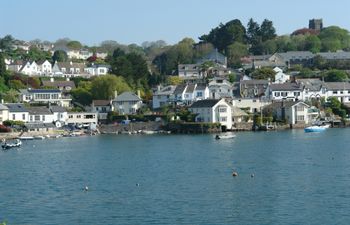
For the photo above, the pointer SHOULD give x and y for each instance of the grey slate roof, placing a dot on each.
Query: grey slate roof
(254, 82)
(179, 89)
(207, 103)
(201, 87)
(293, 55)
(311, 84)
(126, 97)
(16, 107)
(338, 85)
(28, 91)
(56, 108)
(286, 87)
(59, 84)
(168, 90)
(40, 110)
(190, 88)
(335, 55)
(3, 107)
(101, 102)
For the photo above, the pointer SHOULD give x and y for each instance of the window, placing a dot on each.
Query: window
(78, 116)
(296, 94)
(300, 118)
(277, 94)
(37, 117)
(13, 116)
(223, 109)
(223, 119)
(300, 108)
(70, 116)
(23, 116)
(335, 92)
(43, 117)
(199, 94)
(341, 92)
(284, 94)
(31, 118)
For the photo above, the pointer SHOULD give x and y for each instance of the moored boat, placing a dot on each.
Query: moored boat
(227, 136)
(16, 143)
(316, 128)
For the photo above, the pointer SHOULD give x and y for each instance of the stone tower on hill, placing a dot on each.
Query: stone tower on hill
(316, 24)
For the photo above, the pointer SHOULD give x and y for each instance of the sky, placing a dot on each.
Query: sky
(136, 21)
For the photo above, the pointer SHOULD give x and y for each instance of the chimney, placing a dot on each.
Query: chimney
(115, 94)
(70, 63)
(139, 93)
(2, 101)
(52, 79)
(158, 88)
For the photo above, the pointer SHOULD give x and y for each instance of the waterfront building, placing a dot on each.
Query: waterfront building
(4, 113)
(220, 88)
(339, 90)
(163, 96)
(60, 115)
(213, 111)
(127, 103)
(82, 118)
(290, 111)
(45, 96)
(102, 108)
(253, 88)
(17, 112)
(251, 105)
(285, 91)
(40, 114)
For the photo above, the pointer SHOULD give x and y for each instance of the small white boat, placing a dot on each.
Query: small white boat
(39, 137)
(17, 143)
(316, 128)
(26, 138)
(149, 132)
(227, 136)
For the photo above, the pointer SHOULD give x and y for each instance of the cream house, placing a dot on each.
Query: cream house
(4, 113)
(213, 111)
(127, 103)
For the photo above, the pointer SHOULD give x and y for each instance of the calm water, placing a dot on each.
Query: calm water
(299, 179)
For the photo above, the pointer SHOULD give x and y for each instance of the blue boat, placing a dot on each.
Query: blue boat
(316, 128)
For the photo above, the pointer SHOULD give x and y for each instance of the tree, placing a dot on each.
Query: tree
(336, 35)
(3, 71)
(59, 56)
(336, 106)
(312, 44)
(82, 96)
(335, 76)
(11, 96)
(7, 44)
(174, 80)
(75, 45)
(264, 73)
(225, 35)
(267, 31)
(36, 54)
(235, 52)
(105, 86)
(16, 84)
(253, 32)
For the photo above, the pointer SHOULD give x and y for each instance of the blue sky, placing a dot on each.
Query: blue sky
(136, 21)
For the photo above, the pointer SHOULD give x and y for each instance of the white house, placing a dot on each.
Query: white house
(285, 91)
(292, 112)
(83, 118)
(60, 115)
(340, 90)
(220, 88)
(213, 111)
(189, 71)
(44, 67)
(30, 68)
(163, 96)
(102, 108)
(280, 77)
(4, 113)
(40, 114)
(97, 70)
(251, 105)
(313, 89)
(17, 112)
(127, 103)
(53, 96)
(188, 93)
(68, 69)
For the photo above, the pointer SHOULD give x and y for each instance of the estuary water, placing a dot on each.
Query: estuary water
(287, 177)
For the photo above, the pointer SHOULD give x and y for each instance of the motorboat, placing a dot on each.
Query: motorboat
(226, 136)
(26, 138)
(16, 143)
(316, 128)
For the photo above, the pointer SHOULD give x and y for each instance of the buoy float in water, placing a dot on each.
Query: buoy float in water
(234, 174)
